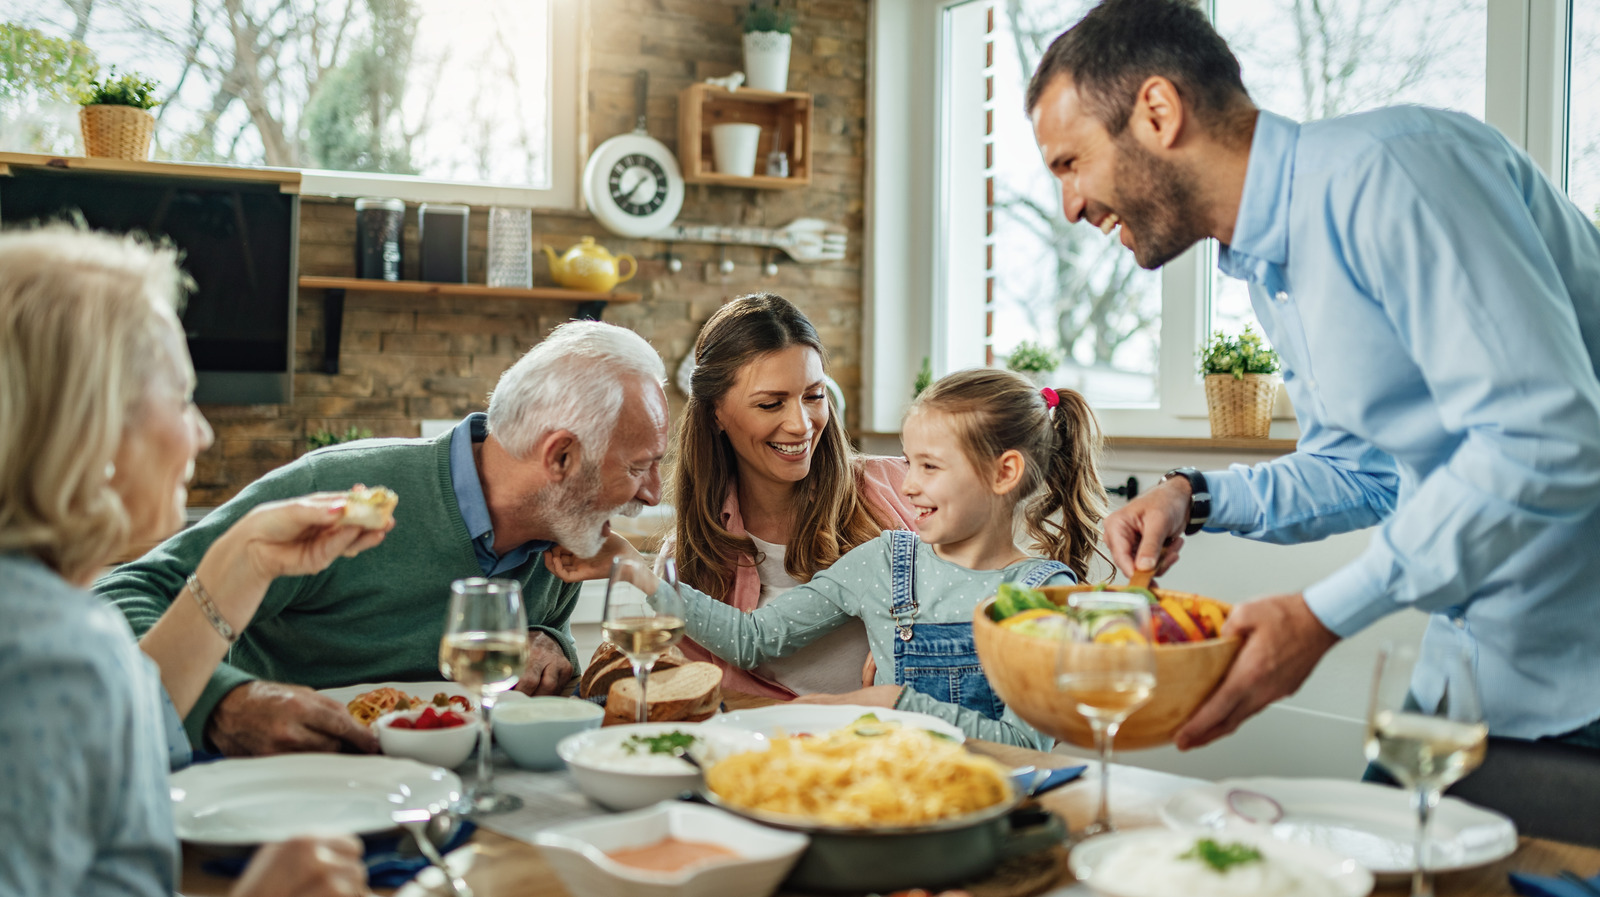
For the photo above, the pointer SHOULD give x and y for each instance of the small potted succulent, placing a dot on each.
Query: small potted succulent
(116, 118)
(766, 46)
(1241, 384)
(1034, 361)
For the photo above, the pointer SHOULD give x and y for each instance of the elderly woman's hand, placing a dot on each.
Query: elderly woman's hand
(297, 536)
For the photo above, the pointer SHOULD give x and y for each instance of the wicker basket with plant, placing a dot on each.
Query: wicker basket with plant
(116, 118)
(1241, 384)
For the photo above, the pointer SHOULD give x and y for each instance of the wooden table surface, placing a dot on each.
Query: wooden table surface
(506, 867)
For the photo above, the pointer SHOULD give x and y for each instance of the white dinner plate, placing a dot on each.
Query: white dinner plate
(814, 719)
(430, 881)
(1374, 824)
(259, 799)
(1344, 876)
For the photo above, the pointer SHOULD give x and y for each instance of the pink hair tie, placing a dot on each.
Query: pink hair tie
(1051, 397)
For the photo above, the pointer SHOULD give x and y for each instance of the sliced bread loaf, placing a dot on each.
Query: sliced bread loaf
(688, 693)
(608, 665)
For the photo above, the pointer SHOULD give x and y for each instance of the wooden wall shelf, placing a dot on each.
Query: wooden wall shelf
(287, 179)
(590, 304)
(785, 120)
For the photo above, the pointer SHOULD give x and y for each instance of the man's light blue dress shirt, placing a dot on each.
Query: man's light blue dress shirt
(474, 507)
(1436, 303)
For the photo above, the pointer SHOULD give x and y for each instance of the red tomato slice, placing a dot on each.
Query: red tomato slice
(401, 723)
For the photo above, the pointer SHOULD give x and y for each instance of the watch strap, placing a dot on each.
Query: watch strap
(1199, 498)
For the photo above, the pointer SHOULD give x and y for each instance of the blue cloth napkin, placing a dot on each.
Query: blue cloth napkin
(386, 867)
(1548, 886)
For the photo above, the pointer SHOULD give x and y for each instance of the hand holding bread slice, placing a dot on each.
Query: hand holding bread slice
(369, 508)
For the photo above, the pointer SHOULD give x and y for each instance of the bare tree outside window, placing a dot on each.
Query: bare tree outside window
(446, 89)
(1067, 286)
(1315, 59)
(1063, 286)
(1583, 110)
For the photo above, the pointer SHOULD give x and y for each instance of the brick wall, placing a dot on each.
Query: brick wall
(406, 358)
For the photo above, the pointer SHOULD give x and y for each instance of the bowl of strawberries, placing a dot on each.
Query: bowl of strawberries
(440, 736)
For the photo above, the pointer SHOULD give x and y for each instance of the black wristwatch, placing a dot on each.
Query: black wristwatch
(1199, 497)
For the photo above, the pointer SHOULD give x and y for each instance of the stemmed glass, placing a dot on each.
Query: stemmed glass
(485, 647)
(1425, 751)
(1106, 666)
(642, 626)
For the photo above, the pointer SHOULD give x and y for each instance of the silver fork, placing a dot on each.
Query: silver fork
(416, 823)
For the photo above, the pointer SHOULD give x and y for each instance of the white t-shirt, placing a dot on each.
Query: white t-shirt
(829, 665)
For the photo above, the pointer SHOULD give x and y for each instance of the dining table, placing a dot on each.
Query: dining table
(507, 866)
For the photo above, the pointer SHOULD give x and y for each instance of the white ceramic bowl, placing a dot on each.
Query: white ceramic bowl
(620, 781)
(1320, 873)
(441, 747)
(529, 730)
(577, 852)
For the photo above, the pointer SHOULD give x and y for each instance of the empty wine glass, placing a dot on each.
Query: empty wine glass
(1106, 666)
(642, 626)
(1425, 750)
(485, 647)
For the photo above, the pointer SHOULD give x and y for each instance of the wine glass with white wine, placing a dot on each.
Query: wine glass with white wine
(1425, 750)
(485, 647)
(642, 626)
(1106, 666)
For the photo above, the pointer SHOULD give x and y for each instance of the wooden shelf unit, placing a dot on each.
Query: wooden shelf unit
(287, 179)
(590, 304)
(485, 291)
(785, 120)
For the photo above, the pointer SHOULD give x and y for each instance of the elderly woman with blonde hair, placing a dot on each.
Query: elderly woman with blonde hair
(98, 436)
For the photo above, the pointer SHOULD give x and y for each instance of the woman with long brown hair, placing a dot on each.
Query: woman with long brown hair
(768, 491)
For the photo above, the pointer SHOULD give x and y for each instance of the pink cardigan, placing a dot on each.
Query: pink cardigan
(879, 479)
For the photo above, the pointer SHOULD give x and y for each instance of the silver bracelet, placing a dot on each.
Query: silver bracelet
(209, 608)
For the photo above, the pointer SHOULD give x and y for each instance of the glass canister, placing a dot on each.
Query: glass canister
(510, 247)
(379, 223)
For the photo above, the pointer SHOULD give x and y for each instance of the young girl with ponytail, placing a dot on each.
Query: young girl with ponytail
(982, 444)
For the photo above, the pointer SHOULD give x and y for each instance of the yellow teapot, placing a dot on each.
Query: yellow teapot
(588, 266)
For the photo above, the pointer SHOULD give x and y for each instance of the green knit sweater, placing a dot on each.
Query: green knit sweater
(371, 618)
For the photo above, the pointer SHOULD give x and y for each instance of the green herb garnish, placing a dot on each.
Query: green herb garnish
(665, 743)
(1222, 857)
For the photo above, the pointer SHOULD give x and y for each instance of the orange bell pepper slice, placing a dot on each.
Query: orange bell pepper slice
(1180, 616)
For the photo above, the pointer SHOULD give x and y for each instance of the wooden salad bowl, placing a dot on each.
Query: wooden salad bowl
(1022, 671)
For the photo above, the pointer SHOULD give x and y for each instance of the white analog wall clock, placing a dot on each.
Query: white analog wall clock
(632, 183)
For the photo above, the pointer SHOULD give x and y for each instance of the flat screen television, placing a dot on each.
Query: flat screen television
(239, 242)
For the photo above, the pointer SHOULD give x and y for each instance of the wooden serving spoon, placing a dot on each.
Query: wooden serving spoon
(1141, 579)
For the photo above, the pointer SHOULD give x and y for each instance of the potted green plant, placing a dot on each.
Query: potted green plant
(116, 118)
(1241, 384)
(1034, 361)
(323, 438)
(766, 46)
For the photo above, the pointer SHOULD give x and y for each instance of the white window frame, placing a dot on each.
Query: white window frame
(567, 76)
(908, 306)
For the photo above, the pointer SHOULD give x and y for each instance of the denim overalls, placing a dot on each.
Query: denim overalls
(940, 659)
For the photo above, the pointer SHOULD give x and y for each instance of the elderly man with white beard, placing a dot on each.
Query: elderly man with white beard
(575, 433)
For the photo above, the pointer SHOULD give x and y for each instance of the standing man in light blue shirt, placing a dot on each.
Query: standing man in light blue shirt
(1436, 302)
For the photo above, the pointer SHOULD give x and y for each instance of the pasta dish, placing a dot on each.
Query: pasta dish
(866, 774)
(368, 706)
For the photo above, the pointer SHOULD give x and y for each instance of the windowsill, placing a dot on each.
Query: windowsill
(1161, 443)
